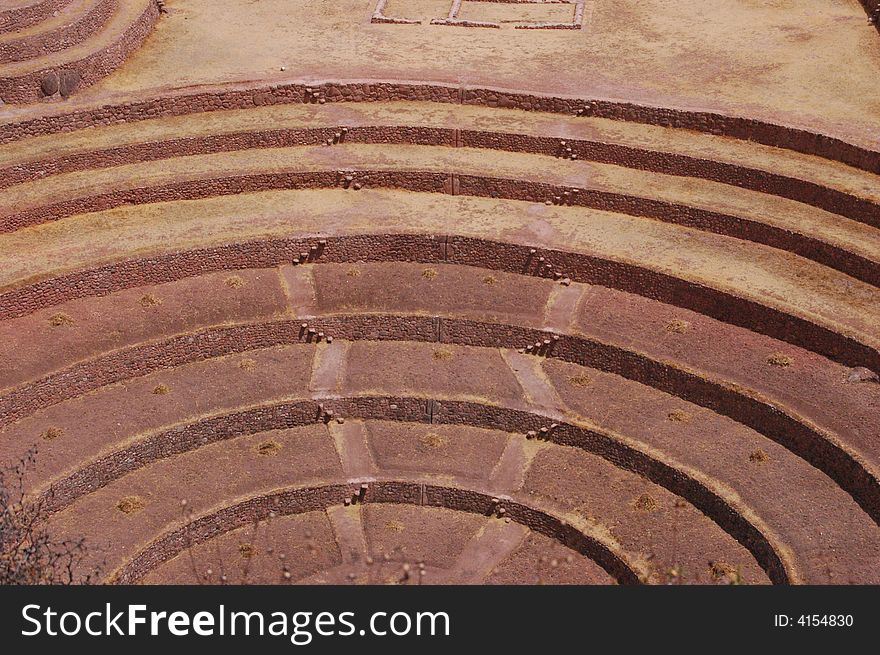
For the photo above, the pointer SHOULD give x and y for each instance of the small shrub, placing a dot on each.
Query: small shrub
(269, 448)
(429, 273)
(161, 390)
(677, 326)
(150, 300)
(234, 282)
(646, 503)
(580, 380)
(441, 354)
(722, 571)
(29, 554)
(52, 433)
(678, 416)
(247, 364)
(131, 504)
(674, 575)
(60, 320)
(759, 457)
(433, 440)
(779, 359)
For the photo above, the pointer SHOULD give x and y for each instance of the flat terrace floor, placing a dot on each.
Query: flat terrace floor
(807, 63)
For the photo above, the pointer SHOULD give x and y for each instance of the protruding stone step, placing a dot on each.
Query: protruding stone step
(349, 532)
(485, 551)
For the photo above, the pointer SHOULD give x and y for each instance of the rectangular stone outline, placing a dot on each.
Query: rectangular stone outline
(453, 20)
(575, 24)
(380, 17)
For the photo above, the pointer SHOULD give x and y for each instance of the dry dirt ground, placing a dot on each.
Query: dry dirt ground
(801, 62)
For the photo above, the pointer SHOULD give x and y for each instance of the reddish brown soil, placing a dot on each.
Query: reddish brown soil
(539, 560)
(471, 292)
(439, 459)
(576, 378)
(436, 369)
(119, 319)
(792, 496)
(303, 544)
(813, 386)
(238, 467)
(306, 541)
(469, 453)
(637, 513)
(402, 534)
(132, 316)
(94, 423)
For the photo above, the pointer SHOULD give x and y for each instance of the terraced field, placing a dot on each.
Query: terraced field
(351, 331)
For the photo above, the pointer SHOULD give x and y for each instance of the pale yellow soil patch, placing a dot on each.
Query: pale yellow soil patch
(812, 63)
(766, 275)
(695, 144)
(849, 234)
(69, 14)
(129, 11)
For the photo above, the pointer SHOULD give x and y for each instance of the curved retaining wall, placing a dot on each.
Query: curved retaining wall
(513, 258)
(61, 38)
(89, 69)
(872, 8)
(31, 14)
(239, 97)
(751, 533)
(310, 499)
(806, 246)
(810, 193)
(819, 448)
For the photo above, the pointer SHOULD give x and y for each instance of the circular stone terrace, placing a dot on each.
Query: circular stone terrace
(440, 292)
